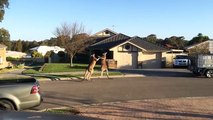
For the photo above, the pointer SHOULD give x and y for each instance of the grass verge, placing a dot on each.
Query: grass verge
(48, 70)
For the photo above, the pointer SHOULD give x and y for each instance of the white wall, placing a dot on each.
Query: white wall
(125, 59)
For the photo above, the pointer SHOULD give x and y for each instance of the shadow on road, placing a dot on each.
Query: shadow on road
(160, 72)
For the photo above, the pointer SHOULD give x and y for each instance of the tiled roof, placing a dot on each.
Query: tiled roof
(107, 29)
(96, 39)
(197, 44)
(110, 42)
(149, 47)
(120, 38)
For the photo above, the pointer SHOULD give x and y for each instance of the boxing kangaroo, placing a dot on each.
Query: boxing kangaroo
(104, 65)
(90, 68)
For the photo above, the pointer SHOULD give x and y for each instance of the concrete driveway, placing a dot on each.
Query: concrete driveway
(163, 84)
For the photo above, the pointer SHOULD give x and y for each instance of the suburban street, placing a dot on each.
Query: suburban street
(165, 84)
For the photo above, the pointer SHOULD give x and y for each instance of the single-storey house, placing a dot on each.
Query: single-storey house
(3, 62)
(15, 54)
(126, 52)
(44, 49)
(203, 48)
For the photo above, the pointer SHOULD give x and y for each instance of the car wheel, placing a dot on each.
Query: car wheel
(209, 73)
(6, 105)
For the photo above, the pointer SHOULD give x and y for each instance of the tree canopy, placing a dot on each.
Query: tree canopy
(72, 37)
(5, 37)
(3, 4)
(198, 39)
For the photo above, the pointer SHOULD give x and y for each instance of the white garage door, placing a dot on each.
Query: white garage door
(127, 60)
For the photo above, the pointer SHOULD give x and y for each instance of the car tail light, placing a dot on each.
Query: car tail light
(35, 89)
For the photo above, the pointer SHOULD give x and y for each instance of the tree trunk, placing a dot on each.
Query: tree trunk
(71, 61)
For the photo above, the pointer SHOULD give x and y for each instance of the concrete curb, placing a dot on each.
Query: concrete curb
(74, 78)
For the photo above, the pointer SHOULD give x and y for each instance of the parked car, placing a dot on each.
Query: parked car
(19, 94)
(181, 61)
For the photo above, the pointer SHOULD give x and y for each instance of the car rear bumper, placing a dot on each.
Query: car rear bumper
(33, 101)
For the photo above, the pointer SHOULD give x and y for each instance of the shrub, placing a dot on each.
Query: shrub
(12, 59)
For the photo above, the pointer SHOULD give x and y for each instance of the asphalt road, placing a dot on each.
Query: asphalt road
(40, 116)
(163, 84)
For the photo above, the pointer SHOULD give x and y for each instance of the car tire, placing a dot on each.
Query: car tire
(209, 73)
(6, 105)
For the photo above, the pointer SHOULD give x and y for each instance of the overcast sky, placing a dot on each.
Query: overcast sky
(37, 19)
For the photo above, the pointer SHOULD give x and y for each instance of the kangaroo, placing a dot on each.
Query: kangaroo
(104, 65)
(90, 68)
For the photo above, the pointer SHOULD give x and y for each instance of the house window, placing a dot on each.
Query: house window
(127, 47)
(110, 55)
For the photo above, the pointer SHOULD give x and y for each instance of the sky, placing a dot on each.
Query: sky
(38, 19)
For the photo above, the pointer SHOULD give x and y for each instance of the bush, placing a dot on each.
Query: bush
(12, 59)
(36, 54)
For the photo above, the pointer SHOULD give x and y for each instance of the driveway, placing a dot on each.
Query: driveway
(77, 92)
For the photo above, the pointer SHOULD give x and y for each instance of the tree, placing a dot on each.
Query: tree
(73, 38)
(25, 46)
(3, 4)
(52, 42)
(36, 54)
(198, 39)
(177, 42)
(33, 44)
(18, 46)
(152, 38)
(5, 38)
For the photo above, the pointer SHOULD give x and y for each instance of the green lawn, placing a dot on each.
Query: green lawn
(59, 67)
(63, 67)
(76, 71)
